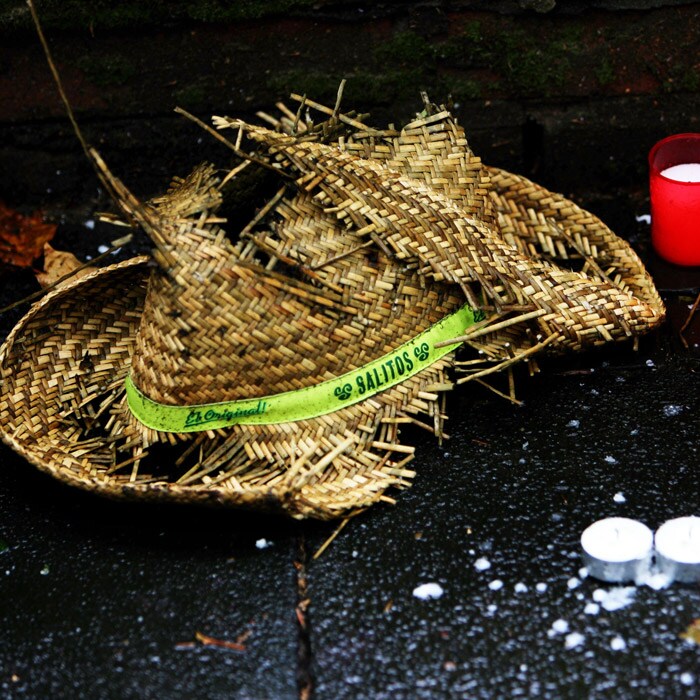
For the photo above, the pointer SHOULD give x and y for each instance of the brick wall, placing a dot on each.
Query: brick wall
(571, 93)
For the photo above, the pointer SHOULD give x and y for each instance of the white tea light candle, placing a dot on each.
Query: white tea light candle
(685, 172)
(617, 549)
(678, 549)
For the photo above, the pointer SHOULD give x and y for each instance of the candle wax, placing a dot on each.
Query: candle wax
(617, 540)
(617, 549)
(685, 172)
(679, 540)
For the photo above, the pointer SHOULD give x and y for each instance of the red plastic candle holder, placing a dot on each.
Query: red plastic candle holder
(675, 205)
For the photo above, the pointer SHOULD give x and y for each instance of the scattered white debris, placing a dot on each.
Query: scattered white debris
(520, 588)
(650, 363)
(491, 609)
(619, 497)
(610, 459)
(634, 431)
(616, 598)
(671, 410)
(687, 678)
(90, 223)
(102, 248)
(572, 583)
(45, 570)
(573, 423)
(560, 626)
(591, 609)
(355, 554)
(573, 640)
(582, 572)
(496, 584)
(262, 543)
(654, 579)
(645, 218)
(618, 644)
(428, 591)
(541, 587)
(482, 564)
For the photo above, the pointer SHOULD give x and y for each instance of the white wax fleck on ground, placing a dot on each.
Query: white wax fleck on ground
(541, 587)
(684, 172)
(610, 459)
(616, 598)
(591, 609)
(102, 248)
(89, 224)
(428, 591)
(573, 583)
(560, 626)
(618, 644)
(619, 497)
(496, 585)
(262, 543)
(573, 640)
(520, 588)
(573, 423)
(650, 363)
(646, 218)
(491, 609)
(687, 678)
(654, 579)
(482, 564)
(670, 411)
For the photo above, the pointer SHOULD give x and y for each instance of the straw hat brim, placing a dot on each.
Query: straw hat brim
(86, 356)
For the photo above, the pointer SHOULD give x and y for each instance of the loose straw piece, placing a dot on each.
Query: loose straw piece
(334, 534)
(485, 330)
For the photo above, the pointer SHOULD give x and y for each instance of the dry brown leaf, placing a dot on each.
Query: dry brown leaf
(58, 263)
(22, 238)
(692, 632)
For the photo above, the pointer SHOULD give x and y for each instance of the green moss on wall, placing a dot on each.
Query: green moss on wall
(123, 14)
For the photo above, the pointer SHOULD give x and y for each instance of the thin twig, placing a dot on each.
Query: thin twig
(487, 329)
(342, 117)
(264, 211)
(240, 153)
(338, 99)
(64, 98)
(498, 393)
(335, 533)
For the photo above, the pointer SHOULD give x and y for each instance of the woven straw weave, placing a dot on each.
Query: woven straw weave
(379, 235)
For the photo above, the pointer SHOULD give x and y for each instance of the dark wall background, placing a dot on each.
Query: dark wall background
(572, 94)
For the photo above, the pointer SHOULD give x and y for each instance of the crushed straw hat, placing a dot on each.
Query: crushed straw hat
(273, 367)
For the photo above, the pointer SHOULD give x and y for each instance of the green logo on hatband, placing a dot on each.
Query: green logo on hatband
(313, 401)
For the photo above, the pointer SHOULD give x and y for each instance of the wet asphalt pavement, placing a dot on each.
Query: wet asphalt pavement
(110, 600)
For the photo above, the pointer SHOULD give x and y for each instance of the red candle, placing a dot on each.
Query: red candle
(674, 184)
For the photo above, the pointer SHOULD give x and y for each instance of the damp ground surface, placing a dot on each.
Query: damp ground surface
(100, 599)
